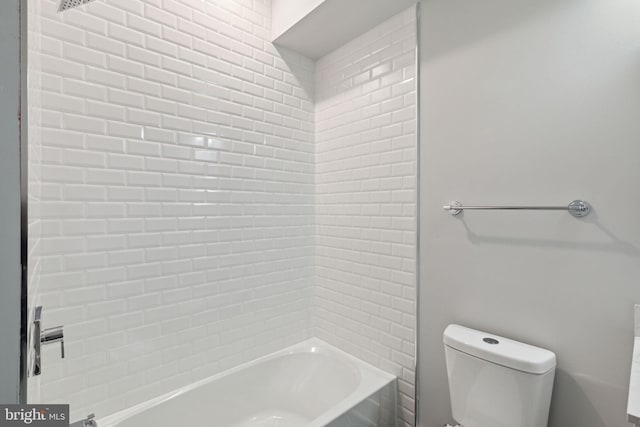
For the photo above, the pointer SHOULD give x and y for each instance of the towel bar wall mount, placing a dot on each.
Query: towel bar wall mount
(577, 208)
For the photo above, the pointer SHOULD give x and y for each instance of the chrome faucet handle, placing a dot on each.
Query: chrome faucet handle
(52, 336)
(90, 421)
(87, 422)
(42, 337)
(37, 341)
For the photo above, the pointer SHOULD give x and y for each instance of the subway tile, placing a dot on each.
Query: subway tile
(108, 12)
(193, 164)
(161, 47)
(84, 192)
(160, 16)
(126, 35)
(125, 130)
(62, 67)
(161, 76)
(143, 25)
(126, 67)
(143, 87)
(82, 89)
(61, 31)
(373, 165)
(105, 143)
(143, 55)
(82, 55)
(105, 77)
(105, 110)
(176, 37)
(84, 261)
(87, 22)
(104, 176)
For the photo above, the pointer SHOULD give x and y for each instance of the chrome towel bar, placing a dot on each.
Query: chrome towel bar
(577, 208)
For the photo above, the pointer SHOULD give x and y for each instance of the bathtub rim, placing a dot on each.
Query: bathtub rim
(372, 380)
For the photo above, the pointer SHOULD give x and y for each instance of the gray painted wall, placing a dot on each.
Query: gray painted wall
(10, 269)
(533, 102)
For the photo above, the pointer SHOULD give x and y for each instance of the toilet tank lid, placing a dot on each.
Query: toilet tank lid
(499, 350)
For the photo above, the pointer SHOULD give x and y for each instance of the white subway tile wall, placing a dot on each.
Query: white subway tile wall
(34, 154)
(177, 194)
(365, 142)
(198, 209)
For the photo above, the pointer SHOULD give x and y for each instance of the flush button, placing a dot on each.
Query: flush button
(491, 341)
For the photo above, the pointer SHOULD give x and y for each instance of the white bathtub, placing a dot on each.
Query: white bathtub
(310, 384)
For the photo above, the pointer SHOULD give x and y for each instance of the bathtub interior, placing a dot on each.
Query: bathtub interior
(311, 384)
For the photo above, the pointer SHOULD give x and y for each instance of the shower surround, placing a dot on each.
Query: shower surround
(198, 206)
(365, 157)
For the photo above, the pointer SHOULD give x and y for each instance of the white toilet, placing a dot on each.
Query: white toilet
(497, 382)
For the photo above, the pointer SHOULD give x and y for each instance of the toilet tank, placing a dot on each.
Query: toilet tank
(497, 382)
